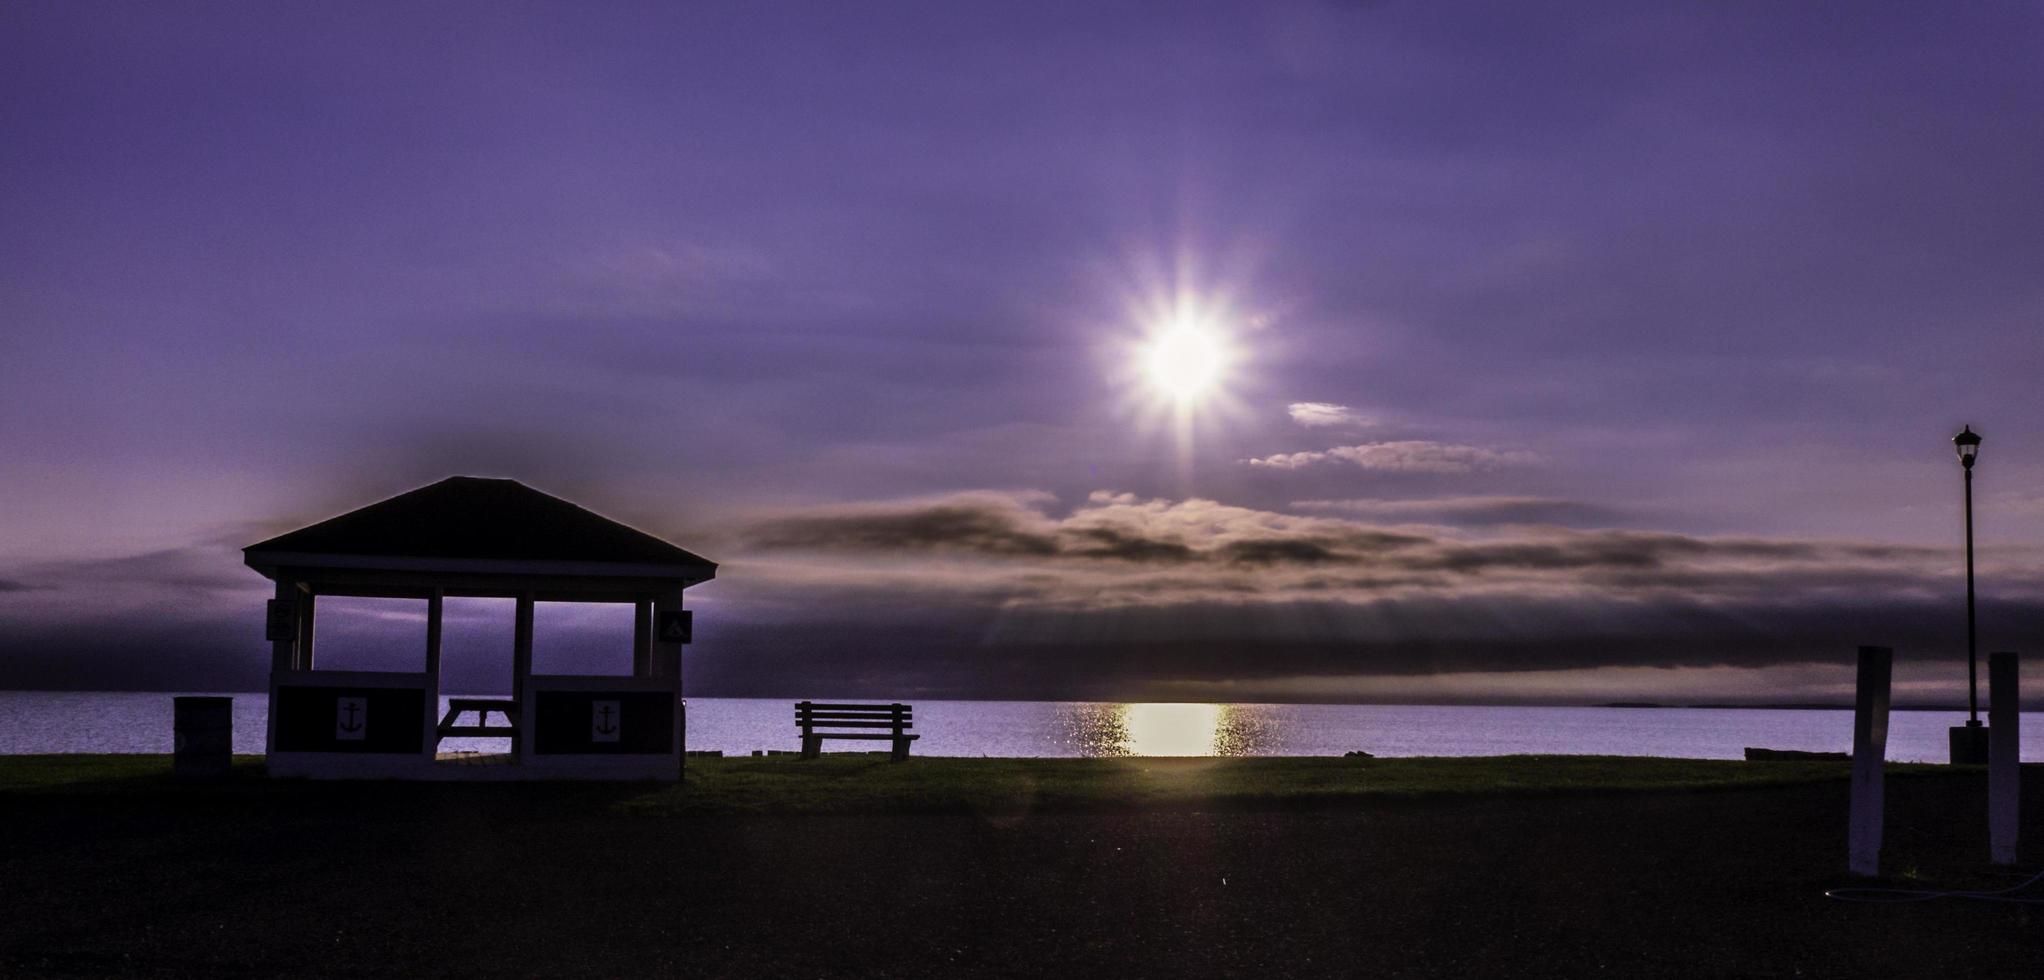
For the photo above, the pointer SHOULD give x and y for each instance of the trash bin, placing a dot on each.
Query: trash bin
(204, 736)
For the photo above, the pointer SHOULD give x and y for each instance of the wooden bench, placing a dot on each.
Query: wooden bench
(819, 721)
(481, 729)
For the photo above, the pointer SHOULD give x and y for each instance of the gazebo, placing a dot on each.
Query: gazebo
(468, 536)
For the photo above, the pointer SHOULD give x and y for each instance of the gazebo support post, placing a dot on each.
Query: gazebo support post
(284, 653)
(283, 656)
(666, 662)
(642, 638)
(666, 653)
(305, 614)
(521, 679)
(433, 606)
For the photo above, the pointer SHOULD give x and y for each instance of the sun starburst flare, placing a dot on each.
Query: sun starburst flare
(1185, 360)
(1183, 365)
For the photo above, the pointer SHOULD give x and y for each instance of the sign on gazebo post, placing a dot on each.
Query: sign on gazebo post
(1869, 755)
(673, 627)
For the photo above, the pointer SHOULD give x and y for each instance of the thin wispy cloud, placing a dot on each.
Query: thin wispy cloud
(671, 278)
(1467, 510)
(1320, 415)
(1403, 456)
(2021, 503)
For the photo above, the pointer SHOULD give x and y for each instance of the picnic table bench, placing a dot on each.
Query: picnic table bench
(482, 707)
(820, 720)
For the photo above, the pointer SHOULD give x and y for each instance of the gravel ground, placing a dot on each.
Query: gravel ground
(495, 881)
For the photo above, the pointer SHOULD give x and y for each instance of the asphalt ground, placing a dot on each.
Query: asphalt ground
(486, 881)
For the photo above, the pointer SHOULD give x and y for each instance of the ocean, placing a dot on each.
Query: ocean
(105, 721)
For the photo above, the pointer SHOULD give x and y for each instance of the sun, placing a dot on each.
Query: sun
(1185, 360)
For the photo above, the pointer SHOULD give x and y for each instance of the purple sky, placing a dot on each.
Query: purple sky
(1587, 352)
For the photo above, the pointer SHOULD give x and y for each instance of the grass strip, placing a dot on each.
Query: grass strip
(861, 783)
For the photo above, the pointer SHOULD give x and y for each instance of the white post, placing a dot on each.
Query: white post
(2004, 756)
(1869, 755)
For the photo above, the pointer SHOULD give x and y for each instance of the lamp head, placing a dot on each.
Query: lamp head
(1967, 442)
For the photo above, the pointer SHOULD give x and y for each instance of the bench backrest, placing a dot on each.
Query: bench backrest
(818, 714)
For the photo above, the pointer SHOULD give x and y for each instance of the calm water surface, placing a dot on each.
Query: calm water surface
(45, 721)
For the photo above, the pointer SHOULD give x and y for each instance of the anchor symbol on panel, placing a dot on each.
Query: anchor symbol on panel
(603, 721)
(351, 718)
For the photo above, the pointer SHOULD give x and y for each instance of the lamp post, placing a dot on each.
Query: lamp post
(1969, 743)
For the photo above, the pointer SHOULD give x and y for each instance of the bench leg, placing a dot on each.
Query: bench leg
(900, 750)
(812, 746)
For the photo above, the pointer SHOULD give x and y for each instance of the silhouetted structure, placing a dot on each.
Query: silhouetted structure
(466, 536)
(204, 736)
(1969, 742)
(1868, 816)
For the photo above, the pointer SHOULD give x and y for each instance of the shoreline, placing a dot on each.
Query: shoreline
(2036, 706)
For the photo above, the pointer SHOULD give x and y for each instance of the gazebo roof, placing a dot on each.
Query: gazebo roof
(472, 524)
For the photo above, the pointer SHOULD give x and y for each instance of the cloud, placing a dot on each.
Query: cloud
(655, 279)
(982, 523)
(1142, 597)
(1012, 594)
(1108, 531)
(1232, 652)
(213, 566)
(1288, 461)
(1405, 456)
(2019, 503)
(175, 619)
(1324, 414)
(1121, 551)
(1467, 511)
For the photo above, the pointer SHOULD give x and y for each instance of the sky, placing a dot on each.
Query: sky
(1575, 352)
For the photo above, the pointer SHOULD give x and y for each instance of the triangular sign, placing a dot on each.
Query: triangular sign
(675, 625)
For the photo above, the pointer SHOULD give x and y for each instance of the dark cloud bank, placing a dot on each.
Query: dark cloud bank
(994, 594)
(1123, 595)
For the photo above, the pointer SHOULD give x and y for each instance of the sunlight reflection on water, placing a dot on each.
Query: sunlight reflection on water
(125, 721)
(1169, 729)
